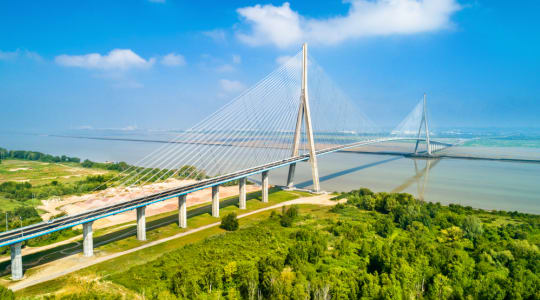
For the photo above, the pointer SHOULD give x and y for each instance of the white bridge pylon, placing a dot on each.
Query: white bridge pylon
(416, 127)
(304, 113)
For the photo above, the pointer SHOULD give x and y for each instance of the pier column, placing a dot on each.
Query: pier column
(16, 261)
(215, 201)
(88, 240)
(290, 177)
(141, 223)
(182, 212)
(264, 186)
(242, 193)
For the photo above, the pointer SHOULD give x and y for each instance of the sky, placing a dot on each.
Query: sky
(166, 64)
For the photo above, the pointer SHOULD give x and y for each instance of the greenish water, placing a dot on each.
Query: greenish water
(482, 184)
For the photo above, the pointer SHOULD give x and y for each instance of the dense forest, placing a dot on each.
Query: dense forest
(374, 246)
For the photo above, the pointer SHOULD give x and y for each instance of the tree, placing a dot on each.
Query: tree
(288, 216)
(472, 227)
(229, 222)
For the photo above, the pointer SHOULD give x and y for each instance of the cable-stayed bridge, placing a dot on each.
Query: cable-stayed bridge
(290, 116)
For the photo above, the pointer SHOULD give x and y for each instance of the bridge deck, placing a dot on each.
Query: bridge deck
(39, 229)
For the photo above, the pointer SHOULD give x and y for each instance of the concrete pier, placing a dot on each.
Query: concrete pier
(141, 223)
(265, 186)
(215, 201)
(290, 176)
(16, 261)
(242, 193)
(88, 240)
(182, 211)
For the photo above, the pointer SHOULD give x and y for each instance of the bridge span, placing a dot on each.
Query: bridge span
(15, 237)
(248, 126)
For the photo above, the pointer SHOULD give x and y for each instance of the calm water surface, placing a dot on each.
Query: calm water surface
(483, 184)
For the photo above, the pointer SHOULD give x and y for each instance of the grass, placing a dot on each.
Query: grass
(39, 173)
(122, 237)
(123, 263)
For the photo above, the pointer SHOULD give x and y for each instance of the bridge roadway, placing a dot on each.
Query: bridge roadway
(39, 229)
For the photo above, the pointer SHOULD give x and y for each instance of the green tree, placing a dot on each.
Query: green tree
(229, 222)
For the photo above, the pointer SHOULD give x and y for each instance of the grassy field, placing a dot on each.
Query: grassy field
(39, 173)
(122, 237)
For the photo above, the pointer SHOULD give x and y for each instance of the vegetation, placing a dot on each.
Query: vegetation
(376, 245)
(33, 155)
(229, 222)
(27, 177)
(6, 294)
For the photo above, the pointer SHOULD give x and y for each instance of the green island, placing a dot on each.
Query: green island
(366, 246)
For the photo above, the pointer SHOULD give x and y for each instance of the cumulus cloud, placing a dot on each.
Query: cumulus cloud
(117, 59)
(231, 86)
(283, 27)
(173, 60)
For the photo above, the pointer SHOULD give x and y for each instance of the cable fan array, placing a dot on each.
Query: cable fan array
(256, 128)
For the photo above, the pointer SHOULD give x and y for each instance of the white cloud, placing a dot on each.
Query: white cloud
(173, 59)
(157, 1)
(283, 27)
(117, 59)
(231, 86)
(7, 55)
(271, 24)
(282, 59)
(236, 59)
(217, 35)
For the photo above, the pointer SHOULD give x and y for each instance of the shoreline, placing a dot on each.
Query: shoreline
(421, 156)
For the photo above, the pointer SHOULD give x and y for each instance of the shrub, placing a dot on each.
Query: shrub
(288, 216)
(229, 222)
(6, 294)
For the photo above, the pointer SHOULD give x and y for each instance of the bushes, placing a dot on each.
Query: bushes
(354, 254)
(6, 294)
(229, 222)
(288, 216)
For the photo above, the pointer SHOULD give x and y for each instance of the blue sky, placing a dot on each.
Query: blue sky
(167, 64)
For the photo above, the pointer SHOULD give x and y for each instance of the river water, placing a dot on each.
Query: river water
(512, 186)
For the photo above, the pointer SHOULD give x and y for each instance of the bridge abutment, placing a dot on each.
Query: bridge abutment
(215, 201)
(88, 239)
(141, 223)
(182, 211)
(242, 193)
(264, 191)
(16, 261)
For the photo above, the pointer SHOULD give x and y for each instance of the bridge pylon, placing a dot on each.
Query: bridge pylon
(304, 114)
(424, 123)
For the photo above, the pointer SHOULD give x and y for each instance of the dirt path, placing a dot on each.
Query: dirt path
(77, 262)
